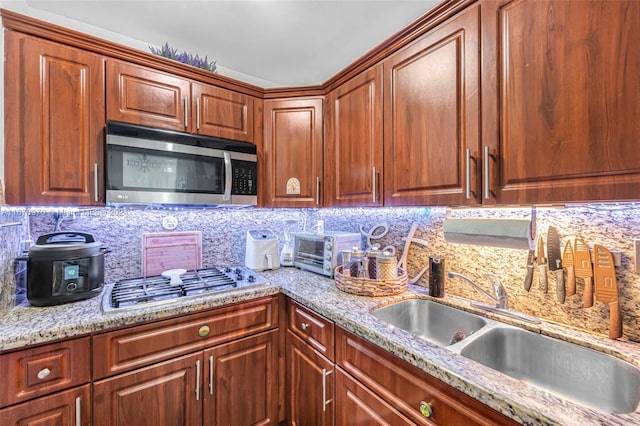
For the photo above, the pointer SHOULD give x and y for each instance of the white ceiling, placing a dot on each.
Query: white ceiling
(270, 43)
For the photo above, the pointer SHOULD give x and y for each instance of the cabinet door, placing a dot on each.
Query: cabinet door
(241, 382)
(431, 117)
(310, 385)
(71, 407)
(54, 123)
(560, 90)
(353, 146)
(147, 97)
(356, 405)
(165, 394)
(293, 153)
(222, 113)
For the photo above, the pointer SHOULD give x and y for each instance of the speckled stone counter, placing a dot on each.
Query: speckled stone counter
(523, 402)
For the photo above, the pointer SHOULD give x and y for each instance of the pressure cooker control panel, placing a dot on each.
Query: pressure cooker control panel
(69, 276)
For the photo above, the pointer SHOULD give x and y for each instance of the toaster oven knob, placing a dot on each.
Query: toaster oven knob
(327, 267)
(328, 257)
(329, 246)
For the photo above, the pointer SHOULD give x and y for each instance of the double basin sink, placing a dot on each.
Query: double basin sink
(597, 380)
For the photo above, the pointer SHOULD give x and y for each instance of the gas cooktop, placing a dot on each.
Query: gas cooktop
(155, 290)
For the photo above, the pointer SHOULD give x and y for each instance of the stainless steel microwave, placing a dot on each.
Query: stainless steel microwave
(151, 166)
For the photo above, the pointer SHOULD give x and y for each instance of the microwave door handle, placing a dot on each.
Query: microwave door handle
(227, 177)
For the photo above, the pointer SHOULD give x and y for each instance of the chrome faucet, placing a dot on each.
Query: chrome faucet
(500, 298)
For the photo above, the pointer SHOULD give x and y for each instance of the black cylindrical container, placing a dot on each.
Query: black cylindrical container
(64, 267)
(436, 276)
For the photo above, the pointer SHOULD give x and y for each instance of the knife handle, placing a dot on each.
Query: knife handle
(528, 279)
(615, 320)
(560, 292)
(571, 281)
(588, 292)
(542, 279)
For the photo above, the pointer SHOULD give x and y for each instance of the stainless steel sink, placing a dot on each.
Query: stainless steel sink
(432, 321)
(571, 371)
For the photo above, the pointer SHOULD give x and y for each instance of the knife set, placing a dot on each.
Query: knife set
(576, 260)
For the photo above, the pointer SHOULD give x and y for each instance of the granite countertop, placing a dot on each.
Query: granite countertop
(25, 325)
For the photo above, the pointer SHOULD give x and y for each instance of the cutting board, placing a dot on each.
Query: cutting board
(171, 250)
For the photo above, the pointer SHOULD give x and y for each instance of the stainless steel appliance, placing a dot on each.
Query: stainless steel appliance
(142, 292)
(150, 166)
(321, 253)
(64, 267)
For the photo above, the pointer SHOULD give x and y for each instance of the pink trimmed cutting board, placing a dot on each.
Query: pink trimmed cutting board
(171, 250)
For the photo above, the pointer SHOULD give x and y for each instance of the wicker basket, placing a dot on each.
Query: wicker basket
(369, 287)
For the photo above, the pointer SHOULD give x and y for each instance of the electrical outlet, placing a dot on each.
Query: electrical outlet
(636, 256)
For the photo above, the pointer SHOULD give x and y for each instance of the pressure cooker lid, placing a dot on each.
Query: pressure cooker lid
(65, 244)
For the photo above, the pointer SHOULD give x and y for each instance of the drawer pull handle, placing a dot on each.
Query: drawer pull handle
(304, 326)
(325, 401)
(44, 373)
(78, 411)
(426, 409)
(204, 331)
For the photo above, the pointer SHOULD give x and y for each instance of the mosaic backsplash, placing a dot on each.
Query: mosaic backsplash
(223, 236)
(10, 237)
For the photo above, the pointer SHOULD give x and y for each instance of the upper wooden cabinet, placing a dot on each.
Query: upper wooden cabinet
(147, 97)
(432, 117)
(54, 123)
(222, 113)
(560, 88)
(292, 152)
(353, 146)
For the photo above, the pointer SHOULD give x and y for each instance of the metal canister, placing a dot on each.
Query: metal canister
(357, 263)
(372, 255)
(346, 262)
(386, 267)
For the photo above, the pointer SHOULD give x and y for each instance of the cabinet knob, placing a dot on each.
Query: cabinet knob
(304, 326)
(204, 331)
(426, 409)
(44, 373)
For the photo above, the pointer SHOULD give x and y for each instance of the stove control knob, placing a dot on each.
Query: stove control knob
(238, 271)
(227, 269)
(251, 278)
(239, 277)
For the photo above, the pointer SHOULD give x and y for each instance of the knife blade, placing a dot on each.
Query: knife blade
(542, 266)
(567, 262)
(584, 270)
(528, 279)
(555, 261)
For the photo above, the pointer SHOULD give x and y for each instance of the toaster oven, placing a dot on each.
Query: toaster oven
(321, 253)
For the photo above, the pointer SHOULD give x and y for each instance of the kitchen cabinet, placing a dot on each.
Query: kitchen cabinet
(216, 367)
(432, 116)
(144, 96)
(310, 368)
(392, 390)
(293, 152)
(47, 384)
(560, 100)
(54, 123)
(353, 146)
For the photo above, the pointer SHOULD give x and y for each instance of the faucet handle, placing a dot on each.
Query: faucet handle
(499, 290)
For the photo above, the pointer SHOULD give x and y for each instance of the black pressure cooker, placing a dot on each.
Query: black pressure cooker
(64, 267)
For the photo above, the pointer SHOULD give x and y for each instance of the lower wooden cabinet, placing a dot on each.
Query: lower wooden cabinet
(232, 384)
(241, 382)
(358, 405)
(310, 384)
(71, 407)
(162, 394)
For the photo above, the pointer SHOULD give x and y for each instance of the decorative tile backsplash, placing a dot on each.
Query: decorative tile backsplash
(224, 230)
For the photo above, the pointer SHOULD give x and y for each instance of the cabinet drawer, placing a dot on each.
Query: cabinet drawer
(312, 328)
(123, 350)
(71, 407)
(405, 387)
(30, 373)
